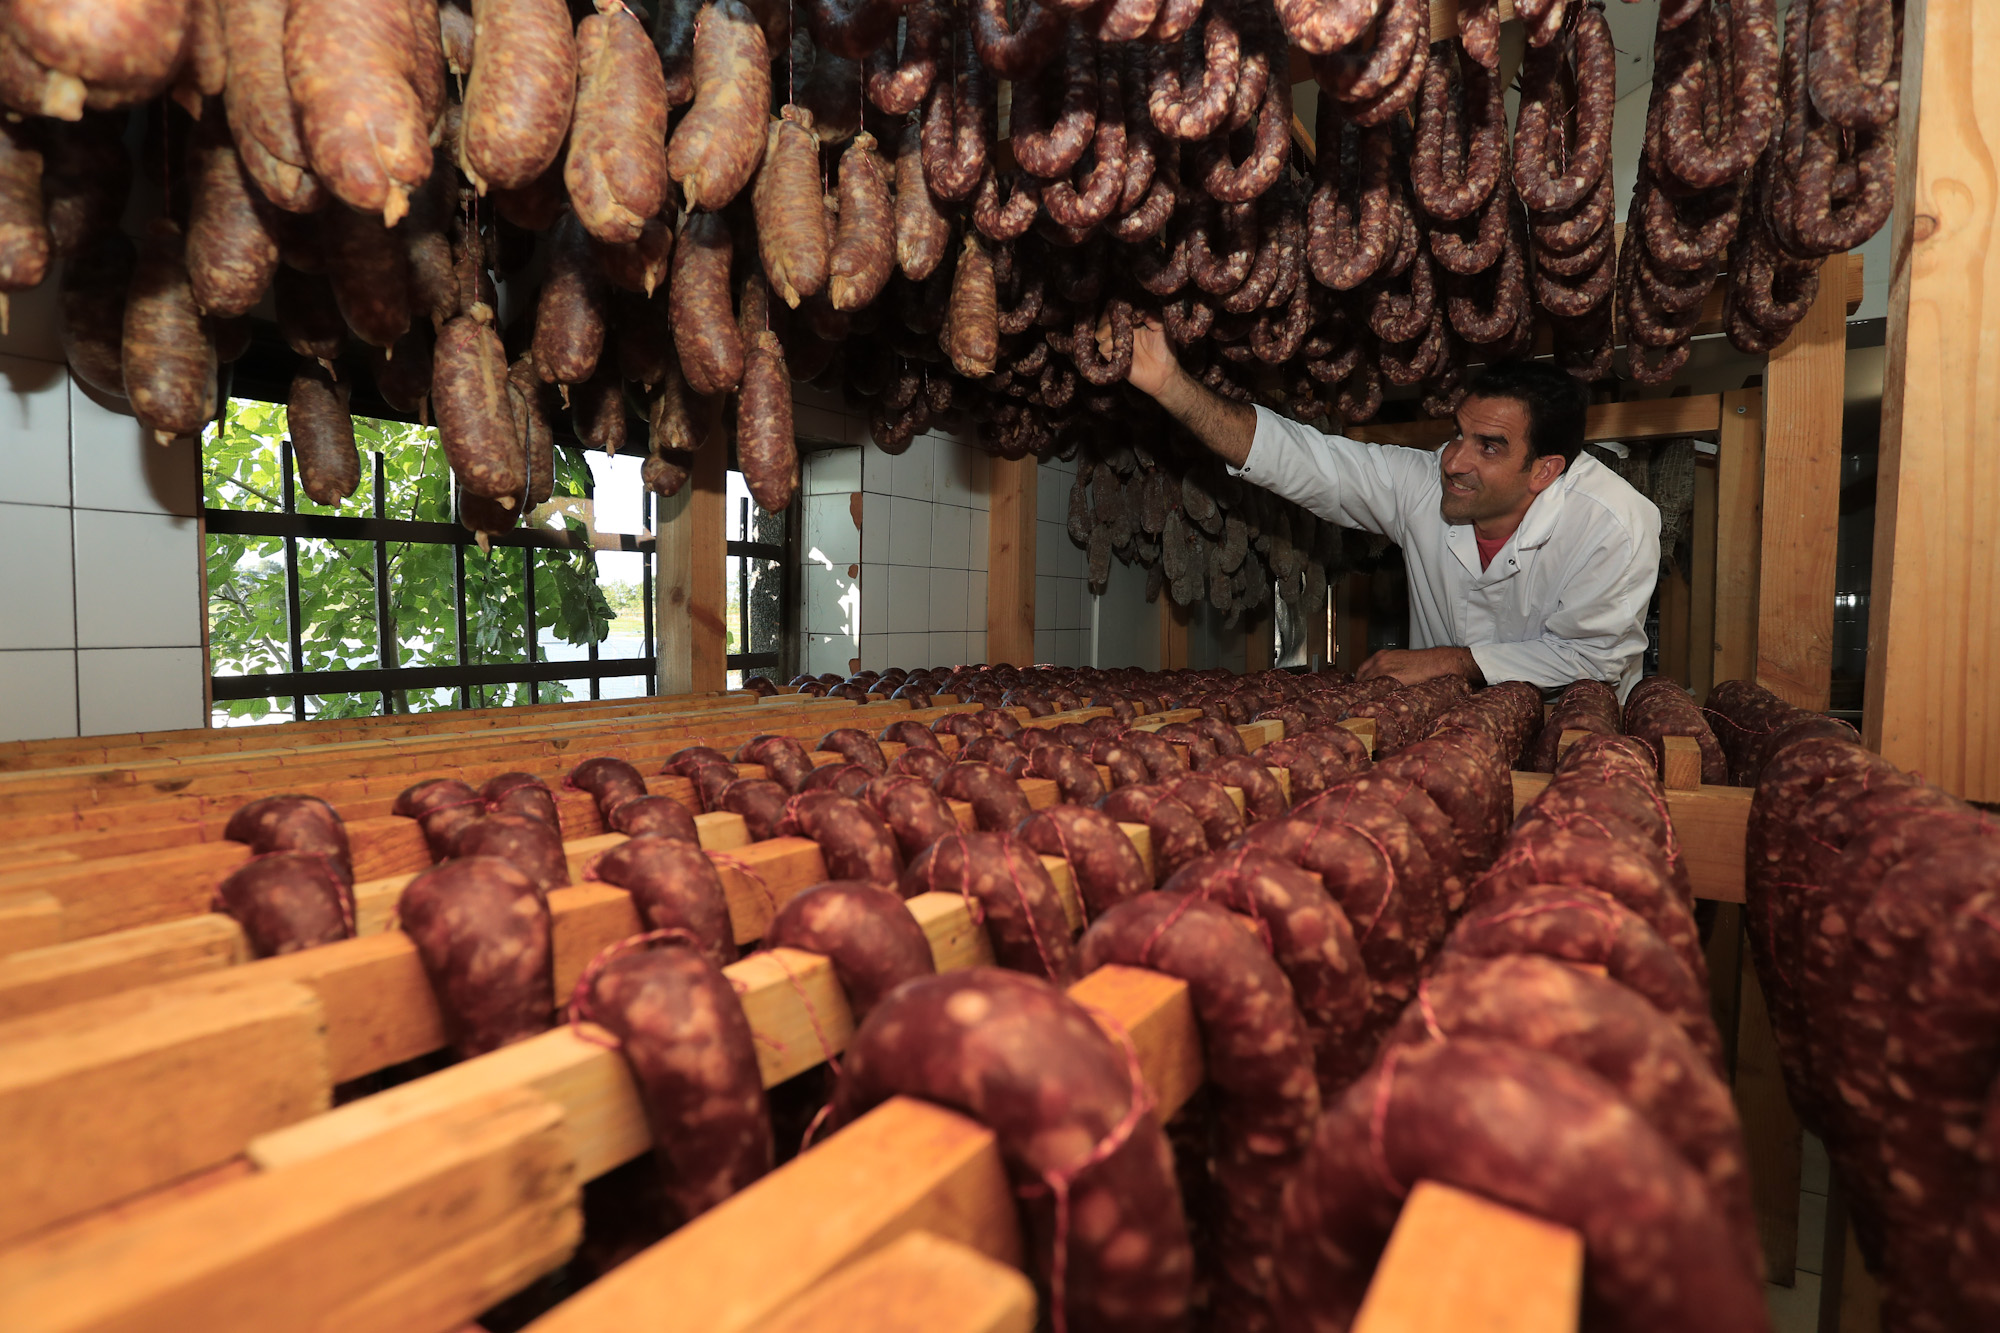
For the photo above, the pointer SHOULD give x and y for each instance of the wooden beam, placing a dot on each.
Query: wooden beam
(1644, 419)
(1701, 581)
(1801, 529)
(1352, 610)
(1676, 595)
(692, 556)
(1457, 1263)
(919, 1284)
(1739, 507)
(1010, 560)
(484, 1193)
(1173, 633)
(1771, 1131)
(1933, 703)
(1710, 822)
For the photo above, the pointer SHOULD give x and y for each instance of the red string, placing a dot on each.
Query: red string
(812, 1011)
(580, 1008)
(1431, 1023)
(1378, 1122)
(734, 862)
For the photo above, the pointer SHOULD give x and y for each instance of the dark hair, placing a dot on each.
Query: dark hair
(1555, 399)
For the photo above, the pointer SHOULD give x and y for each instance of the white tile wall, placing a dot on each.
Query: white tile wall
(1063, 605)
(100, 613)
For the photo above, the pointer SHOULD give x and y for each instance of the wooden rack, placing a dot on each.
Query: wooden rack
(185, 1145)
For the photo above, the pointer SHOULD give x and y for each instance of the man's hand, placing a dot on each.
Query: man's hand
(1412, 665)
(1153, 363)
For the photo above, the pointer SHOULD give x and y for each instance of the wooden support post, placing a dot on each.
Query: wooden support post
(1934, 629)
(1010, 561)
(1351, 629)
(1701, 580)
(1739, 505)
(692, 551)
(1676, 594)
(1259, 645)
(1173, 633)
(1801, 528)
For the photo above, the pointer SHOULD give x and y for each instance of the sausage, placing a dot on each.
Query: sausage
(1182, 113)
(570, 313)
(705, 334)
(259, 106)
(1257, 1058)
(910, 734)
(1017, 901)
(718, 143)
(1049, 138)
(523, 89)
(370, 272)
(971, 336)
(1221, 822)
(287, 901)
(347, 64)
(957, 126)
(1262, 797)
(322, 435)
(1657, 708)
(693, 1056)
(1468, 783)
(616, 169)
(1550, 180)
(1103, 861)
(791, 222)
(849, 780)
(304, 824)
(611, 782)
(674, 886)
(1685, 147)
(169, 359)
(530, 845)
(1311, 940)
(871, 939)
(923, 233)
(1061, 1099)
(90, 318)
(441, 807)
(916, 814)
(86, 180)
(427, 61)
(1176, 831)
(531, 423)
(521, 794)
(760, 801)
(858, 747)
(995, 798)
(765, 446)
(597, 411)
(855, 840)
(1228, 182)
(121, 44)
(24, 234)
(897, 82)
(1529, 1129)
(782, 757)
(1319, 29)
(475, 413)
(864, 245)
(482, 933)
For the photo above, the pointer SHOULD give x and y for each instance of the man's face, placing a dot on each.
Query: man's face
(1487, 472)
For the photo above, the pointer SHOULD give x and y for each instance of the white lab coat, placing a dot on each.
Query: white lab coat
(1565, 599)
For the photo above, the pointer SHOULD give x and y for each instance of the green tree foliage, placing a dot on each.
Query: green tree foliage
(247, 613)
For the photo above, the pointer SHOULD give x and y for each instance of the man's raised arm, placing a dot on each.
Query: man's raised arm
(1225, 427)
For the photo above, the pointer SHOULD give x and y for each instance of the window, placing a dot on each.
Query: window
(757, 592)
(383, 603)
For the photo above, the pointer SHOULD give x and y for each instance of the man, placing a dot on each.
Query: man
(1527, 559)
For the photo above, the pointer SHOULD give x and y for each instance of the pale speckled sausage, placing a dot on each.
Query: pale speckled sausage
(294, 824)
(923, 233)
(853, 837)
(791, 221)
(693, 1056)
(864, 244)
(705, 334)
(570, 313)
(897, 81)
(1102, 859)
(1019, 906)
(347, 63)
(369, 268)
(674, 886)
(717, 145)
(441, 807)
(259, 103)
(616, 169)
(917, 815)
(995, 798)
(483, 935)
(530, 845)
(868, 935)
(475, 416)
(1058, 1094)
(24, 232)
(958, 124)
(767, 451)
(971, 336)
(287, 901)
(520, 794)
(521, 94)
(169, 359)
(322, 435)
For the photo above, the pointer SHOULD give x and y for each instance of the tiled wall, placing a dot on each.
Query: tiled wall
(1063, 604)
(100, 608)
(920, 552)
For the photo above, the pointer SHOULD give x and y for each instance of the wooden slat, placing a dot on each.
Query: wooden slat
(48, 978)
(1457, 1263)
(1010, 560)
(1771, 1132)
(1801, 527)
(1645, 419)
(1676, 595)
(1739, 504)
(689, 587)
(918, 1284)
(1932, 702)
(1710, 822)
(1680, 765)
(29, 920)
(356, 1239)
(107, 1099)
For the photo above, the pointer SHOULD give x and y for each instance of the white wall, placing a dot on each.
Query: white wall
(1062, 590)
(100, 604)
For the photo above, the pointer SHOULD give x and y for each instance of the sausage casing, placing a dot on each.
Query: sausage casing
(791, 220)
(864, 243)
(322, 435)
(347, 63)
(718, 144)
(24, 233)
(523, 87)
(617, 165)
(705, 334)
(169, 358)
(474, 414)
(570, 314)
(260, 109)
(765, 446)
